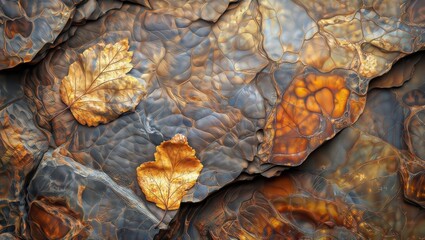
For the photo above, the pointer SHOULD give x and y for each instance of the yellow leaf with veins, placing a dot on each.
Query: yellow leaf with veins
(174, 171)
(97, 88)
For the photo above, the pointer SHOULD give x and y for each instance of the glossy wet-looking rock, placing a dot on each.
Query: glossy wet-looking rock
(255, 86)
(366, 183)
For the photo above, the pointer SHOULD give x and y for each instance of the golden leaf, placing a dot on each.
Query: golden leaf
(174, 171)
(97, 88)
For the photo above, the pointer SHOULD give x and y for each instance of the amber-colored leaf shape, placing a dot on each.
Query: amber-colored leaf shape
(174, 171)
(97, 88)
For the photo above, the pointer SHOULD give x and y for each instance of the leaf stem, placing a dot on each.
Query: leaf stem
(162, 219)
(58, 113)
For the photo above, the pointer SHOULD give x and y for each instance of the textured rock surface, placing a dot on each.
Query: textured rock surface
(404, 128)
(22, 145)
(255, 86)
(83, 202)
(213, 83)
(27, 27)
(348, 189)
(30, 28)
(359, 185)
(341, 50)
(198, 92)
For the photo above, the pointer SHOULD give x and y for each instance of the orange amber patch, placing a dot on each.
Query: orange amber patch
(20, 26)
(284, 193)
(46, 223)
(307, 106)
(50, 221)
(11, 143)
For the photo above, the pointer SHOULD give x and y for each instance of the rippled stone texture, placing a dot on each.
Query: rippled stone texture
(348, 189)
(22, 145)
(193, 9)
(83, 202)
(359, 185)
(348, 44)
(212, 82)
(29, 28)
(255, 86)
(196, 87)
(404, 128)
